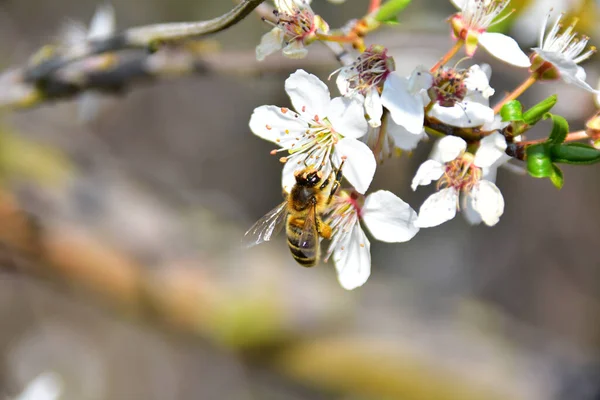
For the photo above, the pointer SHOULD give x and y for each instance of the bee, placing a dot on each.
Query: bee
(301, 214)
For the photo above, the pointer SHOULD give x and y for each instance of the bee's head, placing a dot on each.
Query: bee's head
(308, 177)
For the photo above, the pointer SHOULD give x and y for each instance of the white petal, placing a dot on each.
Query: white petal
(448, 148)
(270, 42)
(405, 108)
(429, 171)
(403, 139)
(487, 200)
(438, 208)
(505, 48)
(420, 79)
(47, 386)
(373, 107)
(478, 81)
(308, 94)
(472, 216)
(269, 123)
(389, 218)
(360, 165)
(352, 259)
(103, 22)
(491, 149)
(342, 80)
(463, 115)
(347, 118)
(460, 4)
(295, 49)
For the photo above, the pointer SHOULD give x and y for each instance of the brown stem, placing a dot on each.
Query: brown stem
(459, 43)
(571, 137)
(517, 92)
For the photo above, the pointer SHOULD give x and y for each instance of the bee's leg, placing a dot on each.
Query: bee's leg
(336, 184)
(324, 229)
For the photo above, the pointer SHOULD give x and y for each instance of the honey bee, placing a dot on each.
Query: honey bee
(301, 214)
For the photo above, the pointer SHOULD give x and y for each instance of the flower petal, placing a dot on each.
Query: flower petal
(373, 107)
(420, 79)
(360, 165)
(103, 22)
(342, 80)
(389, 218)
(460, 4)
(347, 118)
(308, 94)
(405, 108)
(491, 150)
(487, 200)
(47, 386)
(270, 42)
(447, 149)
(403, 139)
(295, 49)
(429, 171)
(504, 48)
(473, 217)
(463, 115)
(438, 208)
(478, 81)
(269, 123)
(352, 259)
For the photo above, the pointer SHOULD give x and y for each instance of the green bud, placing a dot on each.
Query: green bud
(389, 11)
(575, 153)
(537, 112)
(560, 129)
(512, 111)
(539, 163)
(557, 177)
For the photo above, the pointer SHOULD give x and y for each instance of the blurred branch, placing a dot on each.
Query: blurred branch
(144, 37)
(190, 301)
(63, 71)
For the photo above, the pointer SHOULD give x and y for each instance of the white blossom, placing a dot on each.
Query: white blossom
(461, 97)
(295, 28)
(559, 52)
(365, 78)
(471, 25)
(387, 217)
(46, 386)
(461, 173)
(76, 35)
(321, 132)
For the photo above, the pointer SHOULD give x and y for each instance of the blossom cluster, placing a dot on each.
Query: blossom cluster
(379, 113)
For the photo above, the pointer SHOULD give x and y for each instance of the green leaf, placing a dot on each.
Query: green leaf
(537, 112)
(557, 177)
(560, 129)
(389, 10)
(575, 153)
(539, 163)
(512, 111)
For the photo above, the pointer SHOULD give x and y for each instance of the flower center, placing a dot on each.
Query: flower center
(480, 14)
(371, 69)
(297, 23)
(461, 174)
(316, 142)
(449, 86)
(566, 41)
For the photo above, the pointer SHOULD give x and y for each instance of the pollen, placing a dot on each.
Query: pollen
(269, 127)
(284, 110)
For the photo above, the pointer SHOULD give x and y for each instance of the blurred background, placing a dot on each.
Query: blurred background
(123, 275)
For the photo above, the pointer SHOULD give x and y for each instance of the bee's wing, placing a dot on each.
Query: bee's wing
(266, 227)
(309, 235)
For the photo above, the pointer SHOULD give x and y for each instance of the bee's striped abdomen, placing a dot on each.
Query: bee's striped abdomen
(307, 253)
